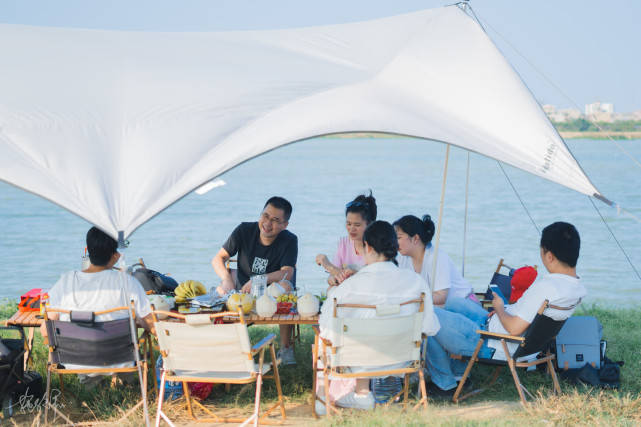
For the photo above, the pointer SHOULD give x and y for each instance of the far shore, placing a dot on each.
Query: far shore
(564, 135)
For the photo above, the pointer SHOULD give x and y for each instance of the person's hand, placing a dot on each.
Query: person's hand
(321, 259)
(225, 287)
(497, 302)
(247, 287)
(285, 284)
(344, 274)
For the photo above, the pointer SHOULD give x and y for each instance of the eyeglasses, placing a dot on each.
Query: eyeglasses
(273, 220)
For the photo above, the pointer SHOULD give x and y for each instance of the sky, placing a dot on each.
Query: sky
(587, 49)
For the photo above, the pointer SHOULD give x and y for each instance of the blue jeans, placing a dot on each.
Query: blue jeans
(456, 336)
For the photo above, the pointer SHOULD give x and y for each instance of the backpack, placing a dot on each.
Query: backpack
(579, 342)
(154, 281)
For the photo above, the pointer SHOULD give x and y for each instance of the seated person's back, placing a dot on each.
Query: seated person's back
(99, 287)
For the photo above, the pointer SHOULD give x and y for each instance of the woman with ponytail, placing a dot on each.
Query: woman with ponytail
(379, 282)
(417, 254)
(359, 213)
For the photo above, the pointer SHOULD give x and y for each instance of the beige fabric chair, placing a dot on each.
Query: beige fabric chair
(381, 346)
(197, 350)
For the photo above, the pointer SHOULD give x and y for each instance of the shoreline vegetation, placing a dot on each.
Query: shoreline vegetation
(573, 129)
(496, 406)
(596, 135)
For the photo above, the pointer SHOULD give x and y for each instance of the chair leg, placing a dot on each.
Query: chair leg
(555, 381)
(188, 399)
(47, 395)
(315, 374)
(406, 389)
(461, 383)
(259, 384)
(421, 378)
(161, 397)
(510, 363)
(272, 351)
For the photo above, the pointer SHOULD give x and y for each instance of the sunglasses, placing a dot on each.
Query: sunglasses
(354, 204)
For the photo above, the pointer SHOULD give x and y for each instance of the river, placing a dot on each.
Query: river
(40, 240)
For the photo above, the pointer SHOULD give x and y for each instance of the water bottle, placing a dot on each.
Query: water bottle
(259, 283)
(385, 388)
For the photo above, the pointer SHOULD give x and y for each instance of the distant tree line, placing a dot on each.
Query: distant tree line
(582, 125)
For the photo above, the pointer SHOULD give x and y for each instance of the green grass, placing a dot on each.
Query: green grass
(577, 405)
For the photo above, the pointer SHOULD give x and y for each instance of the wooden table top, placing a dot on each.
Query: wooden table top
(278, 319)
(28, 319)
(25, 319)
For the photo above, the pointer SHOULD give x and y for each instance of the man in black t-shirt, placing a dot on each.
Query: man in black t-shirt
(264, 248)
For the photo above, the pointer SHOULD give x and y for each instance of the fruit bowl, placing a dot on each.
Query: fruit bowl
(284, 307)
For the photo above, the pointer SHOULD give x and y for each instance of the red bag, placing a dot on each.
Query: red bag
(200, 390)
(31, 300)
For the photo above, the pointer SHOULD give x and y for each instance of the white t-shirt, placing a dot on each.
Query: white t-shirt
(99, 291)
(447, 275)
(380, 283)
(559, 289)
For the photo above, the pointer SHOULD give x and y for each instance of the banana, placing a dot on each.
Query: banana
(189, 289)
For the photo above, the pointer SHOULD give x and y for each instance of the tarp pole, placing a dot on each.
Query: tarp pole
(440, 217)
(467, 194)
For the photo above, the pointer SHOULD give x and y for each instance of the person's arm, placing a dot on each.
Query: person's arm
(147, 323)
(513, 324)
(323, 261)
(218, 262)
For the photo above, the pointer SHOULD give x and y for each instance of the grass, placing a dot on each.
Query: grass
(577, 405)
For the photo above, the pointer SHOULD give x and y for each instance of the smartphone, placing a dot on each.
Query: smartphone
(497, 290)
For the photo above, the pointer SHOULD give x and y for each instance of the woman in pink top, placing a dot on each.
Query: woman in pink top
(359, 213)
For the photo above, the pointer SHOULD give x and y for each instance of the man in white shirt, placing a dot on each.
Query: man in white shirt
(99, 287)
(560, 244)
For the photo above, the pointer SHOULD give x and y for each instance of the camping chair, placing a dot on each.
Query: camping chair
(373, 342)
(535, 342)
(197, 350)
(84, 341)
(503, 281)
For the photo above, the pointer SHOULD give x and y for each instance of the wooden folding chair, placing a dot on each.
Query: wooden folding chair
(84, 341)
(197, 350)
(535, 341)
(502, 277)
(384, 340)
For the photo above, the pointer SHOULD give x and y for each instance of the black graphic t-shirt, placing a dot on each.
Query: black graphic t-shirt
(254, 257)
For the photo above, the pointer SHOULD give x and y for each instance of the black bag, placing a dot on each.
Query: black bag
(156, 282)
(609, 376)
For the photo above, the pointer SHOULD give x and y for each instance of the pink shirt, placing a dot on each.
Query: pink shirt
(346, 256)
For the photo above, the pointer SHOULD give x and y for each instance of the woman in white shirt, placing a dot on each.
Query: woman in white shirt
(379, 282)
(417, 254)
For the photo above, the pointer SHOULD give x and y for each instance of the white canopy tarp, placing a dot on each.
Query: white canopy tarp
(117, 125)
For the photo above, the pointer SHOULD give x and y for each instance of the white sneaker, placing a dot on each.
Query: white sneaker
(357, 401)
(320, 408)
(286, 356)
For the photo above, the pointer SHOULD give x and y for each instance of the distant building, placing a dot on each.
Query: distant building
(599, 107)
(562, 115)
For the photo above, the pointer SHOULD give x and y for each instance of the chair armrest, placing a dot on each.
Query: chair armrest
(263, 343)
(495, 335)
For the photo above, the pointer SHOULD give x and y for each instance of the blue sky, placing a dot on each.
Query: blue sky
(589, 48)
